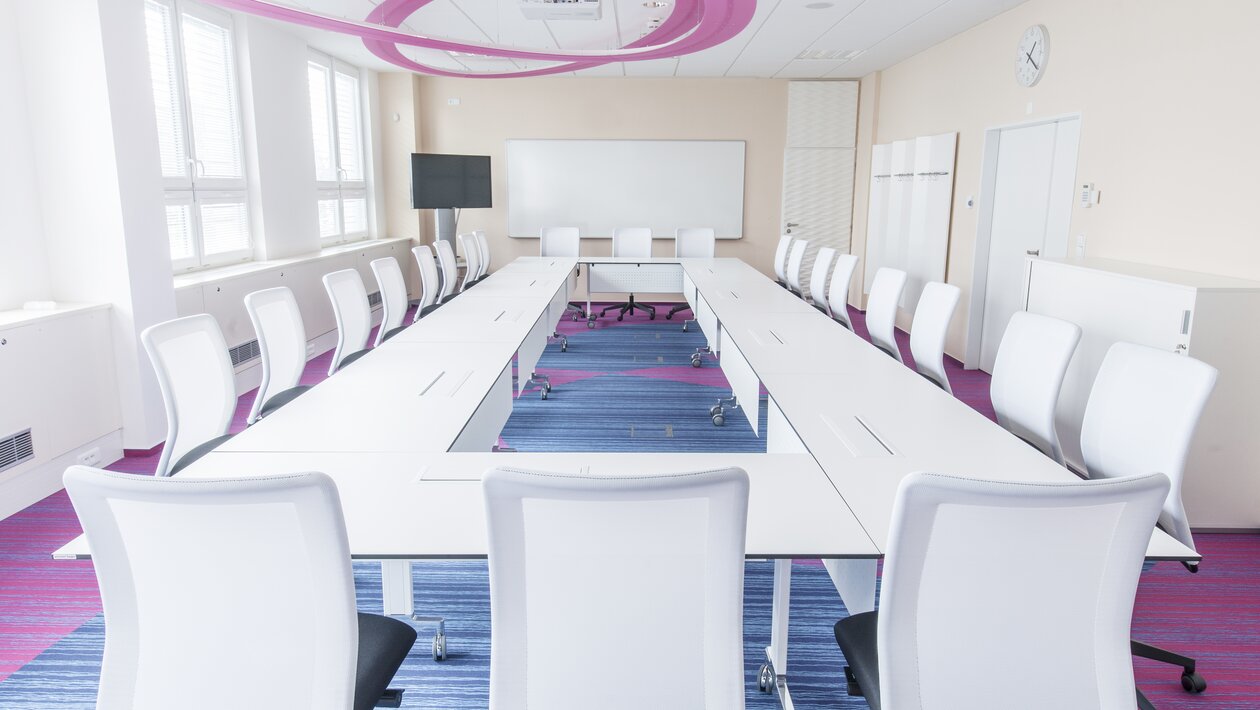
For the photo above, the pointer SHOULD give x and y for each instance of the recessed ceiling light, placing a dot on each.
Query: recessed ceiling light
(820, 5)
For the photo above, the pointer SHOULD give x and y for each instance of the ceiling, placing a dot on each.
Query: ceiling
(884, 31)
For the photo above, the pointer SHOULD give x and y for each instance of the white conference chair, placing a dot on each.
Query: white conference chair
(389, 278)
(430, 282)
(198, 388)
(1142, 412)
(483, 253)
(1028, 374)
(580, 620)
(354, 316)
(818, 278)
(234, 593)
(282, 345)
(929, 328)
(563, 241)
(1000, 595)
(692, 243)
(780, 259)
(881, 309)
(448, 268)
(472, 260)
(796, 258)
(838, 293)
(634, 243)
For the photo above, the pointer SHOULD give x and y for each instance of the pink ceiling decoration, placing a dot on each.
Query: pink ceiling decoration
(692, 26)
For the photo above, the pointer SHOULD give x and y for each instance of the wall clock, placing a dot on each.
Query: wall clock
(1031, 55)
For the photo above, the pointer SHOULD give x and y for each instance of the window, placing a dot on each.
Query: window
(193, 70)
(337, 128)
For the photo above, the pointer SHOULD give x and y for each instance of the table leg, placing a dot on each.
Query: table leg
(773, 676)
(396, 596)
(855, 582)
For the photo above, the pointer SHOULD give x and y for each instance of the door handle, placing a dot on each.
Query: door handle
(1033, 252)
(788, 228)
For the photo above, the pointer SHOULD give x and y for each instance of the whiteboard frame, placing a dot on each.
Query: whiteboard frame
(657, 233)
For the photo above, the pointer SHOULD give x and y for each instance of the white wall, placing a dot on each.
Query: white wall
(23, 266)
(281, 160)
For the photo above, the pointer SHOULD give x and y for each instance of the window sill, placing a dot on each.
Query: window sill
(223, 273)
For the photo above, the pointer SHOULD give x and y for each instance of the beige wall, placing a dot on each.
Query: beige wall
(492, 111)
(1169, 111)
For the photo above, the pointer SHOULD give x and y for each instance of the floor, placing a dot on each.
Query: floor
(636, 393)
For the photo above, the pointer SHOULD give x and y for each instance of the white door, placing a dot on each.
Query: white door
(818, 166)
(1032, 188)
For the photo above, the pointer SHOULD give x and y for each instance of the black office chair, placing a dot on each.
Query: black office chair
(634, 242)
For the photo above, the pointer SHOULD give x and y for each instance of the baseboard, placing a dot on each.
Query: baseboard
(32, 486)
(1225, 531)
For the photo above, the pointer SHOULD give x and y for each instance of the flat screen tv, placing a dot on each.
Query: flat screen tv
(440, 181)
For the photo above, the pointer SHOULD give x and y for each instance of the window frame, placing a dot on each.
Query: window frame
(193, 189)
(342, 188)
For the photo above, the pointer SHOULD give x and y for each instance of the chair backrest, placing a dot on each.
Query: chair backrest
(389, 277)
(818, 276)
(881, 309)
(559, 241)
(838, 293)
(483, 252)
(1028, 374)
(448, 267)
(929, 328)
(220, 593)
(634, 242)
(1039, 580)
(472, 259)
(195, 376)
(579, 619)
(350, 308)
(780, 257)
(429, 279)
(1141, 416)
(694, 242)
(281, 342)
(795, 259)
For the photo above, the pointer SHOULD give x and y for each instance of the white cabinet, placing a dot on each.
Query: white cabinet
(1212, 318)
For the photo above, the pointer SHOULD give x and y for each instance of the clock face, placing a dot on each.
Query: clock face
(1031, 55)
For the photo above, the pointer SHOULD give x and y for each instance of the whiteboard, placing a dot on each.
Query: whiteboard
(598, 185)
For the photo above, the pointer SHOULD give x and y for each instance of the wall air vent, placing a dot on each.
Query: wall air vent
(561, 9)
(243, 353)
(374, 299)
(15, 449)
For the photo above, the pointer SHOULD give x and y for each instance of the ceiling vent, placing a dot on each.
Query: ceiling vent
(830, 55)
(561, 9)
(16, 449)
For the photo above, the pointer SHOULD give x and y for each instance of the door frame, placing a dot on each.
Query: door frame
(984, 227)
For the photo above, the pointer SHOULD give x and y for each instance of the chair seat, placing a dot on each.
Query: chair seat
(391, 333)
(429, 309)
(281, 399)
(352, 357)
(383, 645)
(449, 298)
(197, 452)
(856, 636)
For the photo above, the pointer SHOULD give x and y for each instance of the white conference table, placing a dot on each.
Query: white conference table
(846, 424)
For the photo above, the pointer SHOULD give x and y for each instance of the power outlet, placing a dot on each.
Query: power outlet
(91, 457)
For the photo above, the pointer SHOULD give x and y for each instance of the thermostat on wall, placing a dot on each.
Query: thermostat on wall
(1089, 196)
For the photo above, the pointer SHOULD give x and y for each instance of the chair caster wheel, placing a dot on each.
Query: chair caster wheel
(590, 323)
(576, 317)
(719, 420)
(651, 316)
(684, 327)
(669, 316)
(547, 387)
(765, 678)
(439, 647)
(544, 394)
(715, 410)
(620, 317)
(564, 347)
(1193, 683)
(695, 362)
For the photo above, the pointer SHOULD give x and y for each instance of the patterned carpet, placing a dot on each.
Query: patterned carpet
(621, 387)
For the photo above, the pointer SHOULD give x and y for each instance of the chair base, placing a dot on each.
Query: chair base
(677, 309)
(630, 307)
(1191, 681)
